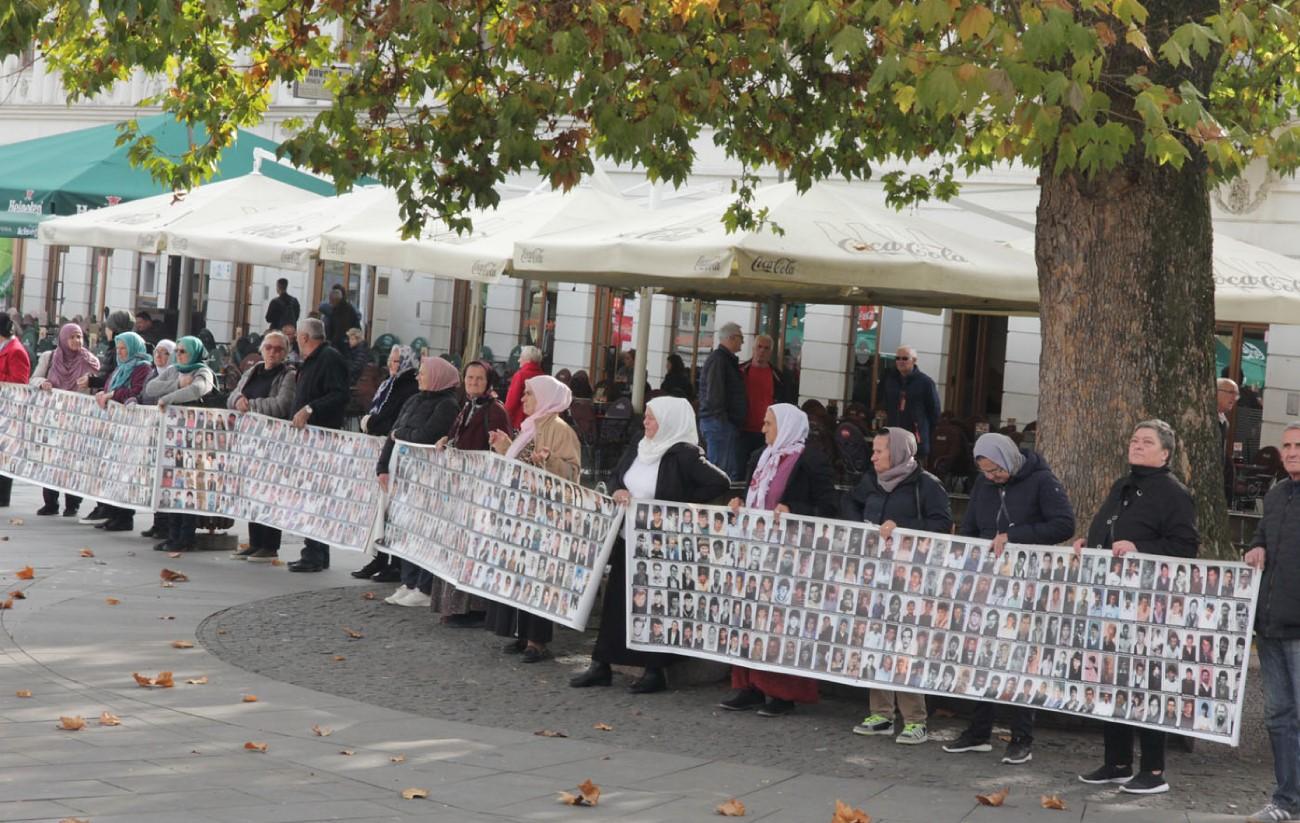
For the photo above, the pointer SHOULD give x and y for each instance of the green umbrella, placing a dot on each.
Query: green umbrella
(86, 169)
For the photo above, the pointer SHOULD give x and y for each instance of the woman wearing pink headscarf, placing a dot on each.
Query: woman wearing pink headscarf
(546, 441)
(62, 368)
(786, 477)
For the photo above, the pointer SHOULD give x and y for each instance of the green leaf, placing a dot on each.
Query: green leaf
(848, 43)
(975, 23)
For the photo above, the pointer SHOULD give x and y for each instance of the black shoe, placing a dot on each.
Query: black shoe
(304, 566)
(388, 574)
(597, 674)
(370, 568)
(1108, 774)
(47, 510)
(743, 700)
(652, 681)
(967, 742)
(532, 654)
(164, 546)
(154, 532)
(473, 620)
(776, 708)
(118, 526)
(1018, 751)
(515, 647)
(1146, 783)
(69, 512)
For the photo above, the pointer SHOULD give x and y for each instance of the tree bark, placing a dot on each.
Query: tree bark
(1127, 309)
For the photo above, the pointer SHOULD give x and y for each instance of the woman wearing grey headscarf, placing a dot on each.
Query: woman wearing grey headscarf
(897, 493)
(1016, 499)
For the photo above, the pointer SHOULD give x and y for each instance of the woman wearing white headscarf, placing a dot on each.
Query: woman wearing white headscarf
(788, 476)
(546, 441)
(666, 464)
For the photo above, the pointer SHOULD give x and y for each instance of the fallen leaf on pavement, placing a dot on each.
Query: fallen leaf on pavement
(338, 658)
(18, 594)
(277, 562)
(219, 631)
(844, 813)
(15, 521)
(109, 719)
(346, 752)
(142, 681)
(182, 644)
(74, 820)
(732, 808)
(71, 724)
(353, 633)
(250, 698)
(603, 727)
(1053, 801)
(170, 576)
(7, 604)
(173, 555)
(588, 795)
(112, 601)
(87, 553)
(549, 733)
(368, 596)
(995, 799)
(412, 794)
(321, 731)
(25, 573)
(245, 546)
(256, 747)
(198, 681)
(24, 692)
(398, 758)
(163, 680)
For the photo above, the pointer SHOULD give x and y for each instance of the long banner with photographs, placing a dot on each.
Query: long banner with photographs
(1158, 642)
(501, 529)
(313, 482)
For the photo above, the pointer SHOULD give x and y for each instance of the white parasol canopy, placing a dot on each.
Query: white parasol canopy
(287, 237)
(839, 244)
(139, 225)
(483, 253)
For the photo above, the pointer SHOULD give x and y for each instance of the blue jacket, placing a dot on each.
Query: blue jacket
(1031, 507)
(921, 411)
(919, 502)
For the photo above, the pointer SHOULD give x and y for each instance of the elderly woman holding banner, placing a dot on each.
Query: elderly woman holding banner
(1149, 511)
(897, 492)
(546, 441)
(63, 368)
(667, 464)
(125, 385)
(164, 357)
(1016, 499)
(15, 367)
(786, 477)
(426, 417)
(185, 383)
(267, 388)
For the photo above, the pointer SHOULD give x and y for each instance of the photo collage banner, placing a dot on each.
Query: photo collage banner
(313, 482)
(501, 529)
(1158, 642)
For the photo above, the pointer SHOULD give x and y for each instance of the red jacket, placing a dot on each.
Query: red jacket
(515, 396)
(15, 365)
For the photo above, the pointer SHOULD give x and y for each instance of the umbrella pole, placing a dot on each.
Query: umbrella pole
(474, 331)
(185, 301)
(642, 344)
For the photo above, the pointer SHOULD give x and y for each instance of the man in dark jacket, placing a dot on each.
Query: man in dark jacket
(320, 397)
(342, 317)
(283, 310)
(1016, 499)
(910, 399)
(722, 401)
(1276, 553)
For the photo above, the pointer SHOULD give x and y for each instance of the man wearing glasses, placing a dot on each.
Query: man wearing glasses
(1225, 399)
(722, 402)
(910, 399)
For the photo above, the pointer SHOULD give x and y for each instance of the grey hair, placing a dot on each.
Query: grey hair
(312, 327)
(530, 354)
(1164, 431)
(283, 340)
(728, 330)
(1294, 425)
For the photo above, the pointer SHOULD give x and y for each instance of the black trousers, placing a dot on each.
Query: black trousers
(415, 577)
(181, 529)
(314, 551)
(507, 621)
(117, 514)
(611, 639)
(6, 489)
(70, 501)
(1021, 720)
(263, 537)
(1119, 747)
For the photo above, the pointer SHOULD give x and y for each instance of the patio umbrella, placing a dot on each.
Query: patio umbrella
(139, 225)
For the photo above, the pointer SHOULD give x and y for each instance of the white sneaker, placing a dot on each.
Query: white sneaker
(395, 598)
(414, 597)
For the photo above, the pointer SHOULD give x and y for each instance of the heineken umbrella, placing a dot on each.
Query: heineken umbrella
(1251, 284)
(483, 253)
(287, 237)
(138, 225)
(835, 243)
(81, 170)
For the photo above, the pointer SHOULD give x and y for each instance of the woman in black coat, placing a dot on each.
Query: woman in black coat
(1147, 511)
(425, 418)
(667, 464)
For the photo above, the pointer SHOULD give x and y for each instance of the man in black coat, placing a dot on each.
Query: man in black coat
(342, 316)
(910, 399)
(283, 310)
(320, 397)
(723, 404)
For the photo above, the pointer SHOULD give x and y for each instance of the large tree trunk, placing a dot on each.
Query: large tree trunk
(1127, 308)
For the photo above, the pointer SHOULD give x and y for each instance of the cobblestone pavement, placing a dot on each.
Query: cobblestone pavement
(416, 705)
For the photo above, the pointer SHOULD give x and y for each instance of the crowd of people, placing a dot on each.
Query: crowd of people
(740, 428)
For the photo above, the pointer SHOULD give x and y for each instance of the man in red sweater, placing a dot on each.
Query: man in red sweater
(763, 387)
(15, 367)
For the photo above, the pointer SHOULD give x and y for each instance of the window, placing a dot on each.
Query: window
(864, 358)
(693, 331)
(1241, 353)
(146, 282)
(788, 345)
(616, 312)
(537, 321)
